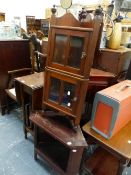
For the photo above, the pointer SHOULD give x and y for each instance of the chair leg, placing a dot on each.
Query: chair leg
(24, 122)
(7, 105)
(25, 132)
(35, 155)
(2, 110)
(26, 119)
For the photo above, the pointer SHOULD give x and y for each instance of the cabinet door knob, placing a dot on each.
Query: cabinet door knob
(83, 55)
(74, 99)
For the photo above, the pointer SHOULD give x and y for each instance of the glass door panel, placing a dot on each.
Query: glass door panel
(54, 89)
(68, 94)
(60, 49)
(75, 53)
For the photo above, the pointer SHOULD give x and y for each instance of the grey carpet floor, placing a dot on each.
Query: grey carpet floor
(16, 153)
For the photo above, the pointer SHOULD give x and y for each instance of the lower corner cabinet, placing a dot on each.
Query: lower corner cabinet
(60, 145)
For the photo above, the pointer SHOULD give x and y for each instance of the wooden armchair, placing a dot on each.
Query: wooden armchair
(11, 91)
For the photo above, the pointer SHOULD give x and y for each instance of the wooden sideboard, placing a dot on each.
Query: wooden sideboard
(113, 61)
(14, 54)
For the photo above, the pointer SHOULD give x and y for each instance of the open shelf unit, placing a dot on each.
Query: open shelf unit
(57, 142)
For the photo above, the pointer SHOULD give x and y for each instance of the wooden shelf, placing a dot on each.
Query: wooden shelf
(59, 157)
(57, 142)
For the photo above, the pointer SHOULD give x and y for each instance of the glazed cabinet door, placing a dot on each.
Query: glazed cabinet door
(68, 50)
(64, 92)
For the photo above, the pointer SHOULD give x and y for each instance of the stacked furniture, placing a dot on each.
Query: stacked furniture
(57, 134)
(115, 152)
(115, 61)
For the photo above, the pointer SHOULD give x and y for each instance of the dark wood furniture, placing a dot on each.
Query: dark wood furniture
(40, 61)
(14, 54)
(31, 86)
(71, 49)
(65, 93)
(100, 162)
(118, 145)
(57, 142)
(49, 133)
(100, 78)
(35, 83)
(10, 92)
(114, 61)
(72, 44)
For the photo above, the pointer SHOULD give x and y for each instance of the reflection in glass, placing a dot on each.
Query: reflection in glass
(68, 94)
(54, 89)
(76, 48)
(60, 45)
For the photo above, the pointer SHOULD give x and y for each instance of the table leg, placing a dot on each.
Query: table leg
(35, 141)
(122, 166)
(24, 122)
(2, 110)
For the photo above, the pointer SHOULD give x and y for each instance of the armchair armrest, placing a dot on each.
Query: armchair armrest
(17, 73)
(19, 70)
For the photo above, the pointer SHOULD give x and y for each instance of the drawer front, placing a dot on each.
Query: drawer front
(110, 61)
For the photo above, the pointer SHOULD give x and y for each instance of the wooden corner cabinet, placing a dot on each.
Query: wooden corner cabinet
(65, 93)
(57, 142)
(72, 45)
(71, 49)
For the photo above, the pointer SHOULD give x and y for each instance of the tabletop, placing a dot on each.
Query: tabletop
(120, 143)
(100, 73)
(33, 81)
